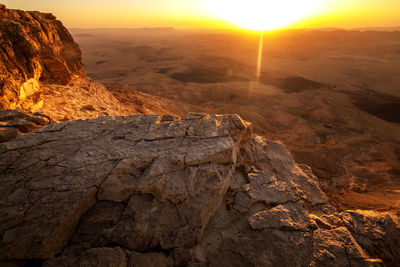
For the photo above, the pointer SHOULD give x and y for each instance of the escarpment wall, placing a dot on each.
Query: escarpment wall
(34, 47)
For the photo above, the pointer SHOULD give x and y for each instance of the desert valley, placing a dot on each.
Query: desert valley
(331, 96)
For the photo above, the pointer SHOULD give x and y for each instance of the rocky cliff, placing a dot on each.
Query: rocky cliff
(151, 191)
(41, 72)
(33, 46)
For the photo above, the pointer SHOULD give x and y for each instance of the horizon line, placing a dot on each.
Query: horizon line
(367, 28)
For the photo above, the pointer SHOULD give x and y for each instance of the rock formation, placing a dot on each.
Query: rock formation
(149, 190)
(159, 191)
(34, 46)
(15, 122)
(41, 71)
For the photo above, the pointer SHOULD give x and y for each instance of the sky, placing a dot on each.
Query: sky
(206, 14)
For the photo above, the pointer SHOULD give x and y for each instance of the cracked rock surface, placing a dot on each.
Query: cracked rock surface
(14, 122)
(147, 190)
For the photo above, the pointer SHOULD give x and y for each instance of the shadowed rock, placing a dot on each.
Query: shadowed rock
(14, 122)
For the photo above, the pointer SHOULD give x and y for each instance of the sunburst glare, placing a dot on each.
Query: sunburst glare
(263, 15)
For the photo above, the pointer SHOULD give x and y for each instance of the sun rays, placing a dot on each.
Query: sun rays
(263, 15)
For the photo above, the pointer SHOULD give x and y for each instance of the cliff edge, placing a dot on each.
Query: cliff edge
(41, 71)
(150, 190)
(34, 46)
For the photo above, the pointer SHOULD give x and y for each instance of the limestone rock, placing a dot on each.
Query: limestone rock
(62, 170)
(169, 117)
(203, 191)
(149, 260)
(15, 122)
(101, 257)
(285, 216)
(375, 232)
(35, 46)
(337, 247)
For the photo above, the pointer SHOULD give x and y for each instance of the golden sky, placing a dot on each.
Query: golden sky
(215, 13)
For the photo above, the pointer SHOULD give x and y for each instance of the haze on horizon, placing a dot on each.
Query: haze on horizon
(198, 14)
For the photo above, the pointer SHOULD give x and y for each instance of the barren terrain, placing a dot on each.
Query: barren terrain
(332, 97)
(126, 174)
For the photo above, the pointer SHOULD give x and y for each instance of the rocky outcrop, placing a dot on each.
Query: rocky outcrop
(41, 72)
(33, 46)
(16, 122)
(160, 191)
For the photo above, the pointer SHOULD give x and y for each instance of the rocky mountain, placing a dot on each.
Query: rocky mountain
(150, 190)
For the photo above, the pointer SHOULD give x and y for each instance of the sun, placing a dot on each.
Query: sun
(262, 15)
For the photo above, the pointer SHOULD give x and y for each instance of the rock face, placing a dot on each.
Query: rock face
(34, 46)
(159, 191)
(41, 71)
